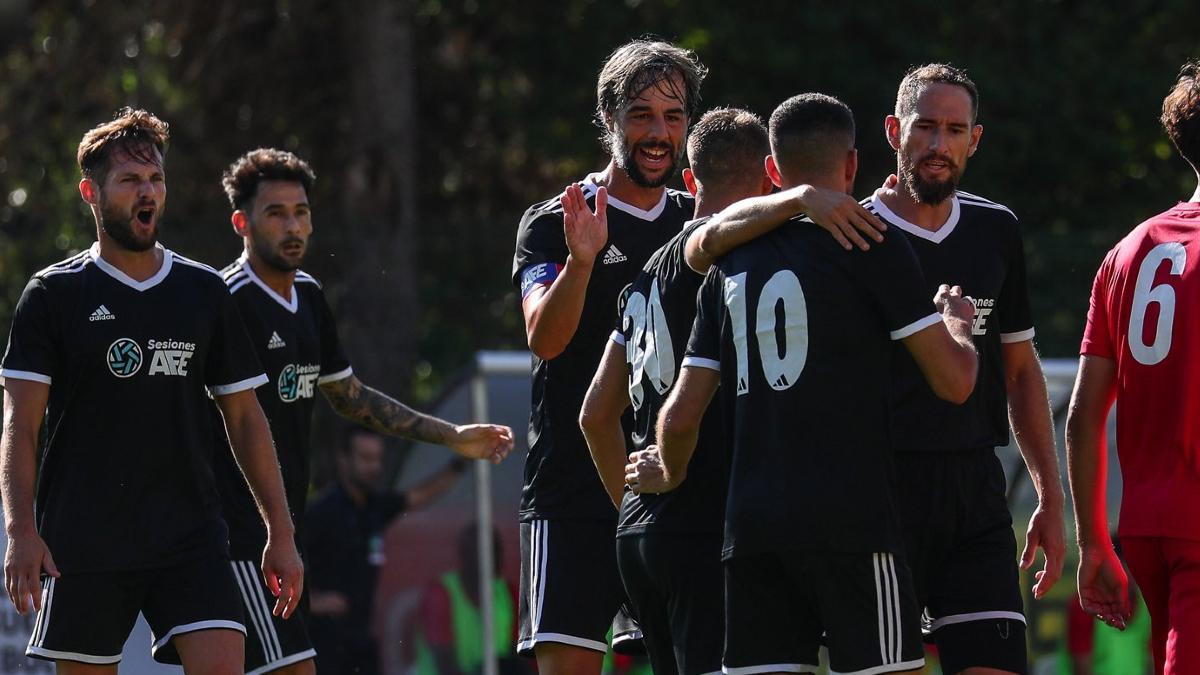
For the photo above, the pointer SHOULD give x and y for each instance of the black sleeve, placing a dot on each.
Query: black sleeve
(1016, 319)
(334, 364)
(34, 348)
(541, 246)
(232, 364)
(892, 275)
(704, 345)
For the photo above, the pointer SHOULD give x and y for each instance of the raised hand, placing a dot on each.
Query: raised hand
(482, 441)
(843, 217)
(586, 231)
(950, 300)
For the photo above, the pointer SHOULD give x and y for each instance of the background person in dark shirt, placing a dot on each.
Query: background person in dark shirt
(344, 543)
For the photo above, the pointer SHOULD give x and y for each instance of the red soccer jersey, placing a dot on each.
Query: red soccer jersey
(1145, 315)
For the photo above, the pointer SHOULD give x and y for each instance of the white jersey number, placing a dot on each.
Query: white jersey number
(649, 352)
(782, 353)
(1146, 293)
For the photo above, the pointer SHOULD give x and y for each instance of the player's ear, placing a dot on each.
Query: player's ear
(241, 223)
(89, 191)
(767, 187)
(891, 129)
(689, 180)
(851, 167)
(773, 171)
(976, 133)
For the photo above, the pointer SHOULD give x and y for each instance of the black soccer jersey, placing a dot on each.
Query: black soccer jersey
(800, 329)
(126, 480)
(560, 478)
(654, 329)
(297, 343)
(980, 249)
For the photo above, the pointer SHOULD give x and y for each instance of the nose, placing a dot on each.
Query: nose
(658, 127)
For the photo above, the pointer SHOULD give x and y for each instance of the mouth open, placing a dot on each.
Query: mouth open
(145, 215)
(656, 156)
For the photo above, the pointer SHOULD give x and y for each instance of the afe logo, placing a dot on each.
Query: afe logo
(297, 382)
(124, 358)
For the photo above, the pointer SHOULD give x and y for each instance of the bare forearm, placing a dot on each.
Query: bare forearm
(1087, 470)
(552, 318)
(739, 223)
(607, 446)
(250, 439)
(379, 412)
(1029, 415)
(24, 407)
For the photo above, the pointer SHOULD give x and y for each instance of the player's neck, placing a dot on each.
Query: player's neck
(137, 265)
(277, 280)
(925, 216)
(708, 203)
(621, 186)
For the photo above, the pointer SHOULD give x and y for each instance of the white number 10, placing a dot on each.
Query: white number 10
(781, 364)
(1145, 293)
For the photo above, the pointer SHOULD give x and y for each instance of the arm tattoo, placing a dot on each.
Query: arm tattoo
(379, 412)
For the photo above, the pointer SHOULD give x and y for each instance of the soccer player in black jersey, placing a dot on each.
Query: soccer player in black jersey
(118, 349)
(668, 546)
(791, 326)
(575, 254)
(952, 487)
(295, 337)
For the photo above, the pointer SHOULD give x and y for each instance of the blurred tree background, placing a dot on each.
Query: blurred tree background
(432, 123)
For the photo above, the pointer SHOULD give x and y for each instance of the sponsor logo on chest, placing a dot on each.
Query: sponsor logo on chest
(167, 357)
(275, 342)
(298, 381)
(613, 255)
(101, 314)
(983, 310)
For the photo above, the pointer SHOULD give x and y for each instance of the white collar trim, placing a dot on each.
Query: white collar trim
(590, 186)
(112, 271)
(935, 236)
(290, 305)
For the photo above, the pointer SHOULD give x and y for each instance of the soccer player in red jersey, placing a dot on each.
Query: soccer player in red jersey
(1139, 349)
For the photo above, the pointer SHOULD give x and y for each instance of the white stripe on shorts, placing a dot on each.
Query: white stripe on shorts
(260, 619)
(264, 606)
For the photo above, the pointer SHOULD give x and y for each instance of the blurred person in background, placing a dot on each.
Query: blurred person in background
(344, 546)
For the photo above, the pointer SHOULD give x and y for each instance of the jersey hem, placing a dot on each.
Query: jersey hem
(771, 668)
(975, 616)
(24, 375)
(55, 655)
(915, 327)
(528, 644)
(193, 627)
(886, 668)
(248, 383)
(700, 362)
(285, 661)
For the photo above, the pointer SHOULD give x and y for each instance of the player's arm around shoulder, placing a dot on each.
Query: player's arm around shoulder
(944, 351)
(27, 555)
(250, 438)
(600, 420)
(664, 468)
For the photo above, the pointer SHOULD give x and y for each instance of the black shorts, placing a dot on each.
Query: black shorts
(676, 587)
(778, 606)
(570, 588)
(272, 642)
(959, 539)
(87, 617)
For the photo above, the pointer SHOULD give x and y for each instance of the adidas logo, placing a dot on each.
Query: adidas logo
(613, 255)
(276, 342)
(102, 314)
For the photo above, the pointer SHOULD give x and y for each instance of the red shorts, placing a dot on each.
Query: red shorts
(1168, 573)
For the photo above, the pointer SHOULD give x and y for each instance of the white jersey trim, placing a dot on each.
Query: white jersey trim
(72, 656)
(335, 377)
(248, 383)
(915, 327)
(886, 668)
(617, 337)
(1019, 336)
(976, 200)
(700, 362)
(590, 187)
(937, 236)
(75, 263)
(292, 305)
(23, 375)
(975, 616)
(529, 643)
(193, 627)
(109, 269)
(772, 668)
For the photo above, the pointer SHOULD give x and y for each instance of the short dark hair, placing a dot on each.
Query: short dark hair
(133, 131)
(1181, 113)
(643, 63)
(726, 147)
(242, 177)
(918, 77)
(811, 132)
